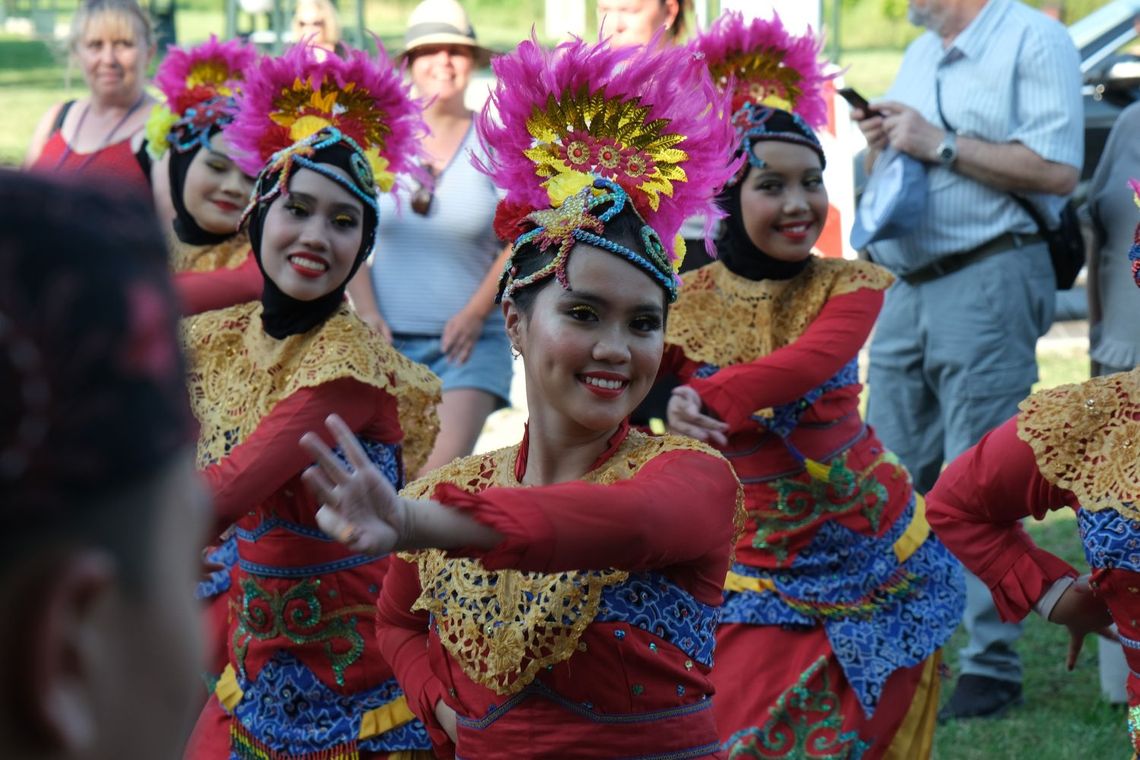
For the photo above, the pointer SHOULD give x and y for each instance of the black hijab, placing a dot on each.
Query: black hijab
(740, 254)
(734, 247)
(282, 315)
(185, 227)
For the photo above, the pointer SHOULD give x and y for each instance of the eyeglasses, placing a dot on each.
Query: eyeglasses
(311, 24)
(423, 195)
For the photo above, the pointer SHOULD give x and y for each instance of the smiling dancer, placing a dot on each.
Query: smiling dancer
(210, 256)
(305, 678)
(581, 624)
(839, 599)
(212, 262)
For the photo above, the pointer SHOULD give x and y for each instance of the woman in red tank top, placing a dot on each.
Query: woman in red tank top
(100, 135)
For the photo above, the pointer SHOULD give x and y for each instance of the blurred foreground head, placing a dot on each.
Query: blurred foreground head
(100, 513)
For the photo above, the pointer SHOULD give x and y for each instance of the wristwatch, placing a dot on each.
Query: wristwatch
(947, 151)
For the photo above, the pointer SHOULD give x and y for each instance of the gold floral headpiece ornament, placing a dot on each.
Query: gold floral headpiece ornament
(775, 79)
(200, 85)
(579, 134)
(295, 107)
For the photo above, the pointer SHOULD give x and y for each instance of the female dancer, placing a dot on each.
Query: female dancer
(212, 262)
(581, 622)
(838, 601)
(304, 678)
(210, 257)
(1070, 446)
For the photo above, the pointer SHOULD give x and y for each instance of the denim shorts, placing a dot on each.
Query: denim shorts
(487, 369)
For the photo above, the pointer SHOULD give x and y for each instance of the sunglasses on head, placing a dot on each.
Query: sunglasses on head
(423, 195)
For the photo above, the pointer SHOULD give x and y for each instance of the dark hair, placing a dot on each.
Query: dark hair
(96, 400)
(680, 23)
(624, 229)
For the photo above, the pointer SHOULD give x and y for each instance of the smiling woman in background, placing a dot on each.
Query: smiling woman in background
(318, 22)
(431, 285)
(101, 134)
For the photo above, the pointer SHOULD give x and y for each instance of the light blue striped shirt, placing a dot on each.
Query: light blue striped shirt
(426, 268)
(1012, 75)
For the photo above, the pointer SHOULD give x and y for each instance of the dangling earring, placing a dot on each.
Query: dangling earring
(515, 351)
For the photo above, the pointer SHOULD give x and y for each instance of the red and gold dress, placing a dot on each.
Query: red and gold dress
(208, 277)
(588, 632)
(304, 678)
(1073, 446)
(839, 599)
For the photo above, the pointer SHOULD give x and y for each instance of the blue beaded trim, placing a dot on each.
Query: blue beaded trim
(653, 603)
(191, 130)
(305, 571)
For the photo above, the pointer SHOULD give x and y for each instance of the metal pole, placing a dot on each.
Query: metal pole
(231, 19)
(834, 40)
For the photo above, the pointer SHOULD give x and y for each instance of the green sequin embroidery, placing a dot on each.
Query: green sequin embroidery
(804, 724)
(296, 615)
(802, 500)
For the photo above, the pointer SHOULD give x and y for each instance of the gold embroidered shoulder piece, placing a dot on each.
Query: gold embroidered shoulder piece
(228, 254)
(723, 319)
(503, 626)
(1086, 439)
(238, 374)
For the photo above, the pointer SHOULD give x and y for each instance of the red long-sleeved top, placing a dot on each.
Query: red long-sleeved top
(832, 339)
(975, 508)
(260, 480)
(648, 522)
(218, 288)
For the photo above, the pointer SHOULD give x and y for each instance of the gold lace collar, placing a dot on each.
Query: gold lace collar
(503, 626)
(238, 373)
(228, 254)
(1086, 438)
(723, 319)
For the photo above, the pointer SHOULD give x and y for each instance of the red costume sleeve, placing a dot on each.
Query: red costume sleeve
(835, 336)
(403, 639)
(271, 456)
(975, 507)
(672, 360)
(217, 289)
(677, 509)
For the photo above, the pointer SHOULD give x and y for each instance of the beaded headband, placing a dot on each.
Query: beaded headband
(766, 69)
(200, 85)
(570, 130)
(294, 106)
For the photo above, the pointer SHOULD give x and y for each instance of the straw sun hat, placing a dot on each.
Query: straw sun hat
(442, 22)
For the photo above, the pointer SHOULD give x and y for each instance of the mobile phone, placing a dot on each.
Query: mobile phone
(857, 101)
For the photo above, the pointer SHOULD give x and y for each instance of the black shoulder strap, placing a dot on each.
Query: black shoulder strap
(59, 117)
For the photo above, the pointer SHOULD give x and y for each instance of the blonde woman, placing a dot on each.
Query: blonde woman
(101, 133)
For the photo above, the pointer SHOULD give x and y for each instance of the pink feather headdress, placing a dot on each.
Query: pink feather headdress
(292, 103)
(200, 85)
(572, 121)
(762, 63)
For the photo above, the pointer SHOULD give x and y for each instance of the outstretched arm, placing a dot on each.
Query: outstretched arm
(833, 338)
(678, 508)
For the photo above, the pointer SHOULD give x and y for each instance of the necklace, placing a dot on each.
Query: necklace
(67, 151)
